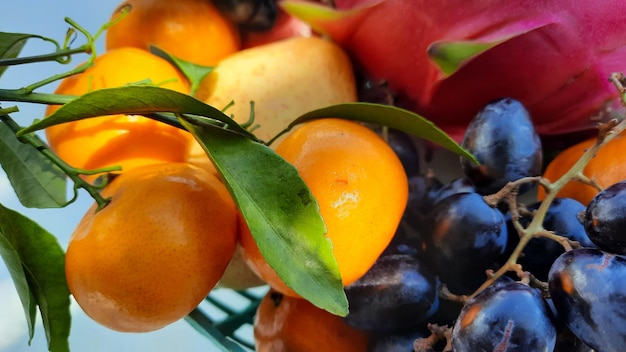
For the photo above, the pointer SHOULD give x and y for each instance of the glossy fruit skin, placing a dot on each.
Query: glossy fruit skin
(126, 140)
(192, 30)
(422, 192)
(540, 253)
(605, 219)
(397, 293)
(464, 236)
(528, 37)
(286, 324)
(155, 251)
(507, 316)
(607, 167)
(268, 75)
(457, 185)
(587, 287)
(503, 139)
(360, 186)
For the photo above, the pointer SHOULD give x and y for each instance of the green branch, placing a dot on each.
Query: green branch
(73, 173)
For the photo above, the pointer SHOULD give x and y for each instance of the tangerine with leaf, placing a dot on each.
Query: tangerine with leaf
(125, 140)
(361, 188)
(151, 255)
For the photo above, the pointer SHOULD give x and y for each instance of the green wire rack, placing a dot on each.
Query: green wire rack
(226, 318)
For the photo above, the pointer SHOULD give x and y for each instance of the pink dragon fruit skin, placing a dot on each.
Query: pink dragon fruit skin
(553, 55)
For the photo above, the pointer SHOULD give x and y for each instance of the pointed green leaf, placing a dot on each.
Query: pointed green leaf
(386, 115)
(37, 182)
(195, 73)
(450, 56)
(132, 100)
(11, 45)
(35, 258)
(12, 260)
(282, 214)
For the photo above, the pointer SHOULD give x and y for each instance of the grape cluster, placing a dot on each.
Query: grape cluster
(440, 285)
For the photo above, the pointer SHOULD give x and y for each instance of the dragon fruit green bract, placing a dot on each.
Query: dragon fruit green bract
(446, 59)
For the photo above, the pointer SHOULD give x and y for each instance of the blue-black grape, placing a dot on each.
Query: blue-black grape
(539, 253)
(250, 15)
(605, 219)
(506, 316)
(463, 237)
(588, 290)
(398, 292)
(503, 139)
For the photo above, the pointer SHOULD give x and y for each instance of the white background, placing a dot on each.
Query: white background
(46, 18)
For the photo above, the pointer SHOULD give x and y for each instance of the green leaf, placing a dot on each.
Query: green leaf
(386, 115)
(282, 214)
(194, 72)
(12, 260)
(37, 182)
(450, 56)
(36, 263)
(11, 45)
(133, 100)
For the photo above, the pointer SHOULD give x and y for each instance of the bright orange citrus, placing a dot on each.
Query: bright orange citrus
(289, 324)
(361, 188)
(124, 140)
(156, 250)
(193, 30)
(606, 168)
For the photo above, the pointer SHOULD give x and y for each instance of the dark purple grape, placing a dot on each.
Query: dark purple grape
(463, 236)
(396, 342)
(422, 190)
(458, 185)
(588, 289)
(404, 147)
(398, 292)
(605, 219)
(562, 218)
(249, 15)
(566, 341)
(506, 316)
(503, 139)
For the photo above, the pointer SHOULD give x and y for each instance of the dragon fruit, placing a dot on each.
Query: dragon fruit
(446, 59)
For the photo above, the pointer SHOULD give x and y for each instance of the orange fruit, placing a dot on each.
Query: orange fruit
(156, 250)
(361, 189)
(192, 30)
(288, 324)
(607, 167)
(125, 140)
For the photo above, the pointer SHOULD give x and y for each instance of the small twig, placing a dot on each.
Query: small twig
(509, 192)
(445, 293)
(437, 333)
(72, 173)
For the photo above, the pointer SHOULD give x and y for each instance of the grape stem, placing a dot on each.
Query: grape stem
(606, 132)
(437, 333)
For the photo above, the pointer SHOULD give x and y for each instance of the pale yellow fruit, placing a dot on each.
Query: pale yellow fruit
(285, 79)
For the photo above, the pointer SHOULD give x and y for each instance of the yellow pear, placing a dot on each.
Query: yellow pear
(285, 79)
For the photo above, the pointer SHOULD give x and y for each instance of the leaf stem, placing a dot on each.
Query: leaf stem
(44, 149)
(24, 96)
